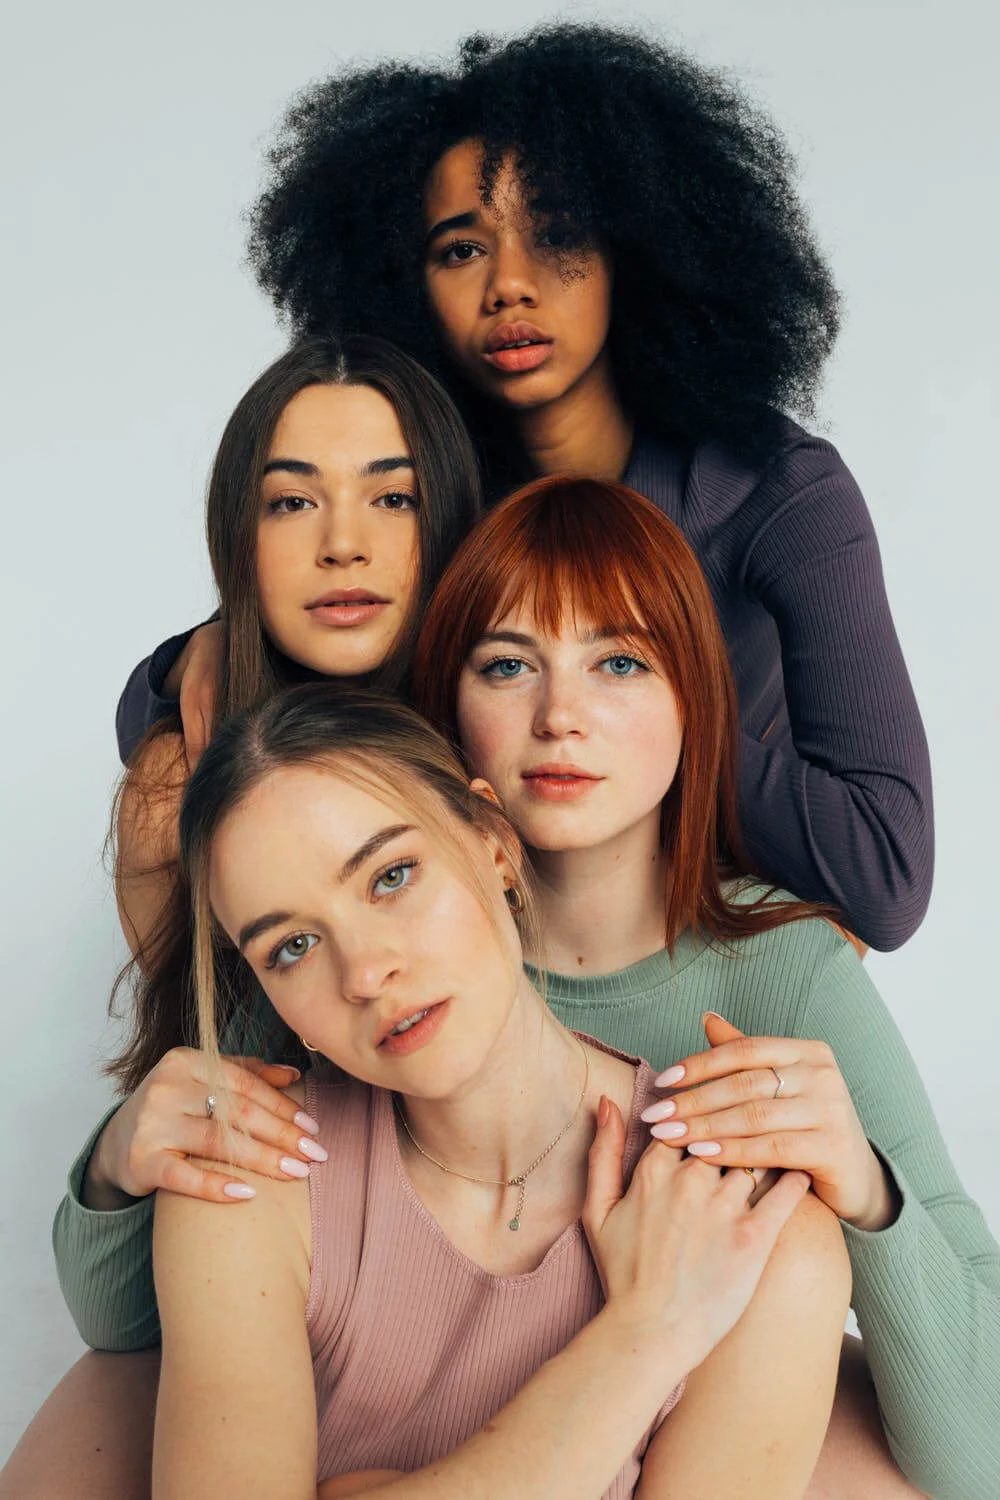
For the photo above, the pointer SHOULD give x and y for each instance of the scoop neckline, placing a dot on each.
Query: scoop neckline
(386, 1125)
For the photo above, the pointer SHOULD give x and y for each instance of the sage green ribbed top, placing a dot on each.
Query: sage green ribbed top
(926, 1290)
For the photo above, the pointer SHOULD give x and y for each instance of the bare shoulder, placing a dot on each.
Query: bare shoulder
(811, 1252)
(268, 1235)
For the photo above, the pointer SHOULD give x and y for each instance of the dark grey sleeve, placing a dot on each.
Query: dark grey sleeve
(841, 811)
(142, 703)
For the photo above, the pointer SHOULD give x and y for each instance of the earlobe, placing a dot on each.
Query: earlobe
(483, 789)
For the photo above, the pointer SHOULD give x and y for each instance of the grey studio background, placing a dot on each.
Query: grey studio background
(132, 136)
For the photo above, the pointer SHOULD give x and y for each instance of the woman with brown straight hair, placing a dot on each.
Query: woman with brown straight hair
(573, 651)
(342, 484)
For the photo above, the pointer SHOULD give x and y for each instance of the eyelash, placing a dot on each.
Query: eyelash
(397, 864)
(279, 506)
(293, 505)
(567, 240)
(272, 961)
(486, 669)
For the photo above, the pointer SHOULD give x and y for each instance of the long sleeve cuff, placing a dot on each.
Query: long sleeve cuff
(932, 1338)
(105, 1265)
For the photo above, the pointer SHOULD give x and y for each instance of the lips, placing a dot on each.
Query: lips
(418, 1028)
(516, 347)
(346, 596)
(559, 782)
(560, 769)
(346, 608)
(407, 1013)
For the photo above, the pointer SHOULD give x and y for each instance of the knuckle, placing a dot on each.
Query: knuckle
(745, 1085)
(756, 1114)
(776, 1147)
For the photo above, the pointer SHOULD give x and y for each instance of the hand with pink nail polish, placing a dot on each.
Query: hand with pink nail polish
(163, 1132)
(681, 1249)
(777, 1102)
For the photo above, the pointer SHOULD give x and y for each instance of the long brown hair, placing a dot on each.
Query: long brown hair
(447, 484)
(371, 740)
(449, 489)
(598, 552)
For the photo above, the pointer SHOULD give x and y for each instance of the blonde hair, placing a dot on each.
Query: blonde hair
(373, 743)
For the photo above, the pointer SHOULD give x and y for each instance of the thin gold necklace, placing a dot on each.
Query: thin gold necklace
(519, 1178)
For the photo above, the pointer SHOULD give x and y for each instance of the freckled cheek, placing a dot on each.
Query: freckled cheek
(486, 741)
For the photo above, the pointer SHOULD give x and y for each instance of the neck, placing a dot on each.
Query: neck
(603, 908)
(526, 1092)
(585, 431)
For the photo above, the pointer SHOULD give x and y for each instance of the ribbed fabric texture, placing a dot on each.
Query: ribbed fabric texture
(927, 1289)
(415, 1347)
(836, 783)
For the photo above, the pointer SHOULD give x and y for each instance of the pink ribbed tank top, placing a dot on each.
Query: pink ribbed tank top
(414, 1345)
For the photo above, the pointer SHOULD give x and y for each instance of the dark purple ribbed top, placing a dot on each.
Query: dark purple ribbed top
(836, 783)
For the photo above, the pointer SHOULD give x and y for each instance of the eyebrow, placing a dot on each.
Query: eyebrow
(605, 633)
(367, 471)
(351, 866)
(467, 220)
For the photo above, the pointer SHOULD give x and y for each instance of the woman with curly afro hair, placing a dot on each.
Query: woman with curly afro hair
(596, 245)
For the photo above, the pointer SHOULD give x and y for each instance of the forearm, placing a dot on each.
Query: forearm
(148, 695)
(929, 1315)
(104, 1260)
(566, 1433)
(861, 845)
(927, 1287)
(841, 809)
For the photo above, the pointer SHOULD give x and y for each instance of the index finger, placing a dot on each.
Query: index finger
(245, 1084)
(740, 1056)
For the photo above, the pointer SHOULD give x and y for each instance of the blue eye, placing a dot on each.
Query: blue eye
(621, 665)
(504, 667)
(288, 953)
(393, 878)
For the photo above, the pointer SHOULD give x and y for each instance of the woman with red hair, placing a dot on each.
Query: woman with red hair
(573, 650)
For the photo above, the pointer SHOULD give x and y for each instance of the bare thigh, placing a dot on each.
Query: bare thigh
(93, 1436)
(856, 1463)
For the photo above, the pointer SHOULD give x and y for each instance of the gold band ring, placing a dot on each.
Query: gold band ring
(781, 1083)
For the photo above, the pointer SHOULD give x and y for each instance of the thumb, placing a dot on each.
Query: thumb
(719, 1030)
(604, 1165)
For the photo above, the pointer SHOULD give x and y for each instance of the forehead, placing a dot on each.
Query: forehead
(297, 822)
(567, 619)
(454, 185)
(338, 426)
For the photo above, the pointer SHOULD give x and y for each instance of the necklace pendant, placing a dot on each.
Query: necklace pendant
(515, 1223)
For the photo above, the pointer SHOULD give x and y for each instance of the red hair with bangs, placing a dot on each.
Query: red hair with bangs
(602, 555)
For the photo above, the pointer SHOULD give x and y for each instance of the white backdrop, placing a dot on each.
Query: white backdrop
(133, 136)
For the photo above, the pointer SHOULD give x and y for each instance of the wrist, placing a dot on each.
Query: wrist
(99, 1190)
(649, 1341)
(884, 1203)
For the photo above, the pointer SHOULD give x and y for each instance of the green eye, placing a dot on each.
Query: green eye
(393, 879)
(288, 953)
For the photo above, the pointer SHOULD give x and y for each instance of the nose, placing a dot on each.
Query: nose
(513, 277)
(344, 539)
(558, 708)
(369, 965)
